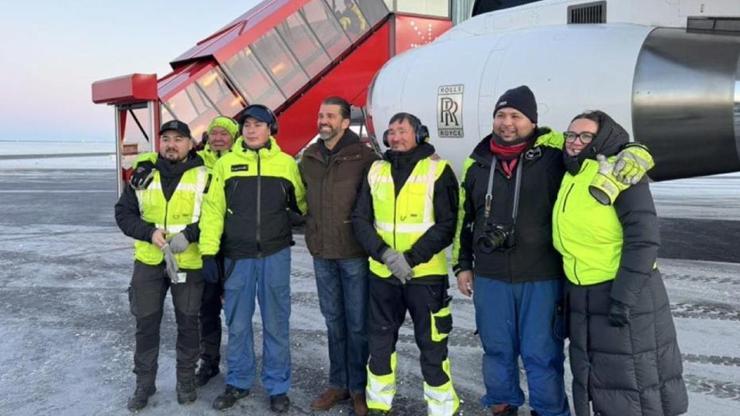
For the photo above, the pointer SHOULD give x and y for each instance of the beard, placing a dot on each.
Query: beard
(327, 133)
(171, 155)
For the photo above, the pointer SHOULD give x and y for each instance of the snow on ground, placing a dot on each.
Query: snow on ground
(66, 334)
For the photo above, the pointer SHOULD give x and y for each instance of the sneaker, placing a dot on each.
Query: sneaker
(229, 397)
(140, 398)
(186, 392)
(504, 410)
(206, 371)
(279, 403)
(329, 398)
(359, 404)
(378, 412)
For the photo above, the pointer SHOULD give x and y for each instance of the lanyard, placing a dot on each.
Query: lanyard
(517, 188)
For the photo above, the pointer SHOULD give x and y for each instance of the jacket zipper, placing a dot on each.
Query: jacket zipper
(228, 201)
(395, 207)
(166, 204)
(560, 235)
(567, 194)
(166, 208)
(259, 202)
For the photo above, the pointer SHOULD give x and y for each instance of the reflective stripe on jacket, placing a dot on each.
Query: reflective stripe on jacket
(173, 216)
(401, 220)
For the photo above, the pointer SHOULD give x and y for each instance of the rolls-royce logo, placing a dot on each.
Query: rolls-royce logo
(449, 111)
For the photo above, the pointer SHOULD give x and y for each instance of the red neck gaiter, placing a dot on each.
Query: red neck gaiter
(508, 156)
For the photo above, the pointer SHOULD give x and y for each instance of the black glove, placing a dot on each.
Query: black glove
(142, 175)
(210, 269)
(619, 314)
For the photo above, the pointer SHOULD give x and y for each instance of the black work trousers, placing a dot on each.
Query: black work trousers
(147, 292)
(387, 311)
(210, 318)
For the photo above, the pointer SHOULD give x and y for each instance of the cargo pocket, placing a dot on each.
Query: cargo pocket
(560, 321)
(442, 321)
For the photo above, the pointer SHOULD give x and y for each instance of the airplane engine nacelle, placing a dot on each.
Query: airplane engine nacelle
(676, 92)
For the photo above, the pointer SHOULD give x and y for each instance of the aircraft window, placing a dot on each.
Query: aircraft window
(281, 64)
(424, 7)
(304, 44)
(252, 81)
(326, 27)
(215, 87)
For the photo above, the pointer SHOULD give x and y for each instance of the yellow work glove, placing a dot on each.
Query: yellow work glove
(620, 172)
(632, 163)
(605, 187)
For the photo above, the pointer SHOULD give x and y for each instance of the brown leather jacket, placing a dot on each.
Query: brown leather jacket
(332, 181)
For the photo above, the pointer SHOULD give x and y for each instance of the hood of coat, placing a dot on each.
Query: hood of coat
(609, 140)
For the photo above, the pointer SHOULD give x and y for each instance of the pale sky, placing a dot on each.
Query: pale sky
(52, 51)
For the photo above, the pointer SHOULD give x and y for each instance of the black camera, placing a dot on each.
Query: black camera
(494, 237)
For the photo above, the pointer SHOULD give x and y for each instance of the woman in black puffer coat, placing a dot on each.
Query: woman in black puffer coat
(623, 349)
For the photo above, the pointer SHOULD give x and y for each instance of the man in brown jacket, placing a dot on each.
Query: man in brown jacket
(332, 170)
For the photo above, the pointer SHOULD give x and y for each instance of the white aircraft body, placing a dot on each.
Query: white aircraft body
(668, 71)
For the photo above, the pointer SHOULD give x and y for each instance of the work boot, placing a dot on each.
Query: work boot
(329, 398)
(229, 397)
(504, 410)
(359, 404)
(186, 391)
(141, 397)
(206, 371)
(279, 403)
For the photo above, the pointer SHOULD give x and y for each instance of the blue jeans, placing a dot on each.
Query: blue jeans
(267, 278)
(522, 319)
(342, 286)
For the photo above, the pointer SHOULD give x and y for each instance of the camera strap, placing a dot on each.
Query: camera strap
(517, 188)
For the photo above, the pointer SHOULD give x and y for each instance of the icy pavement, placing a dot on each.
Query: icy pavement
(66, 335)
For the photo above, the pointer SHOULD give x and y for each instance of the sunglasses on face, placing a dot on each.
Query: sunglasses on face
(586, 137)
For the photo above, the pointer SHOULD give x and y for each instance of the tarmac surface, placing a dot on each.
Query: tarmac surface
(66, 334)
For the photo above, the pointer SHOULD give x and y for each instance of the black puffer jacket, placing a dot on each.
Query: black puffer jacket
(635, 369)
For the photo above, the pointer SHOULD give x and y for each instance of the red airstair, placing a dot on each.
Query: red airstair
(286, 54)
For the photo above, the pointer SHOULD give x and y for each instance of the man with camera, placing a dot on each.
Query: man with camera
(504, 238)
(404, 218)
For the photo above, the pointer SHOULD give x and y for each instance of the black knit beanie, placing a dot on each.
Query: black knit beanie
(520, 98)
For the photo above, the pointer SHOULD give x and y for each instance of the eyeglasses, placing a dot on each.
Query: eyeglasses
(586, 137)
